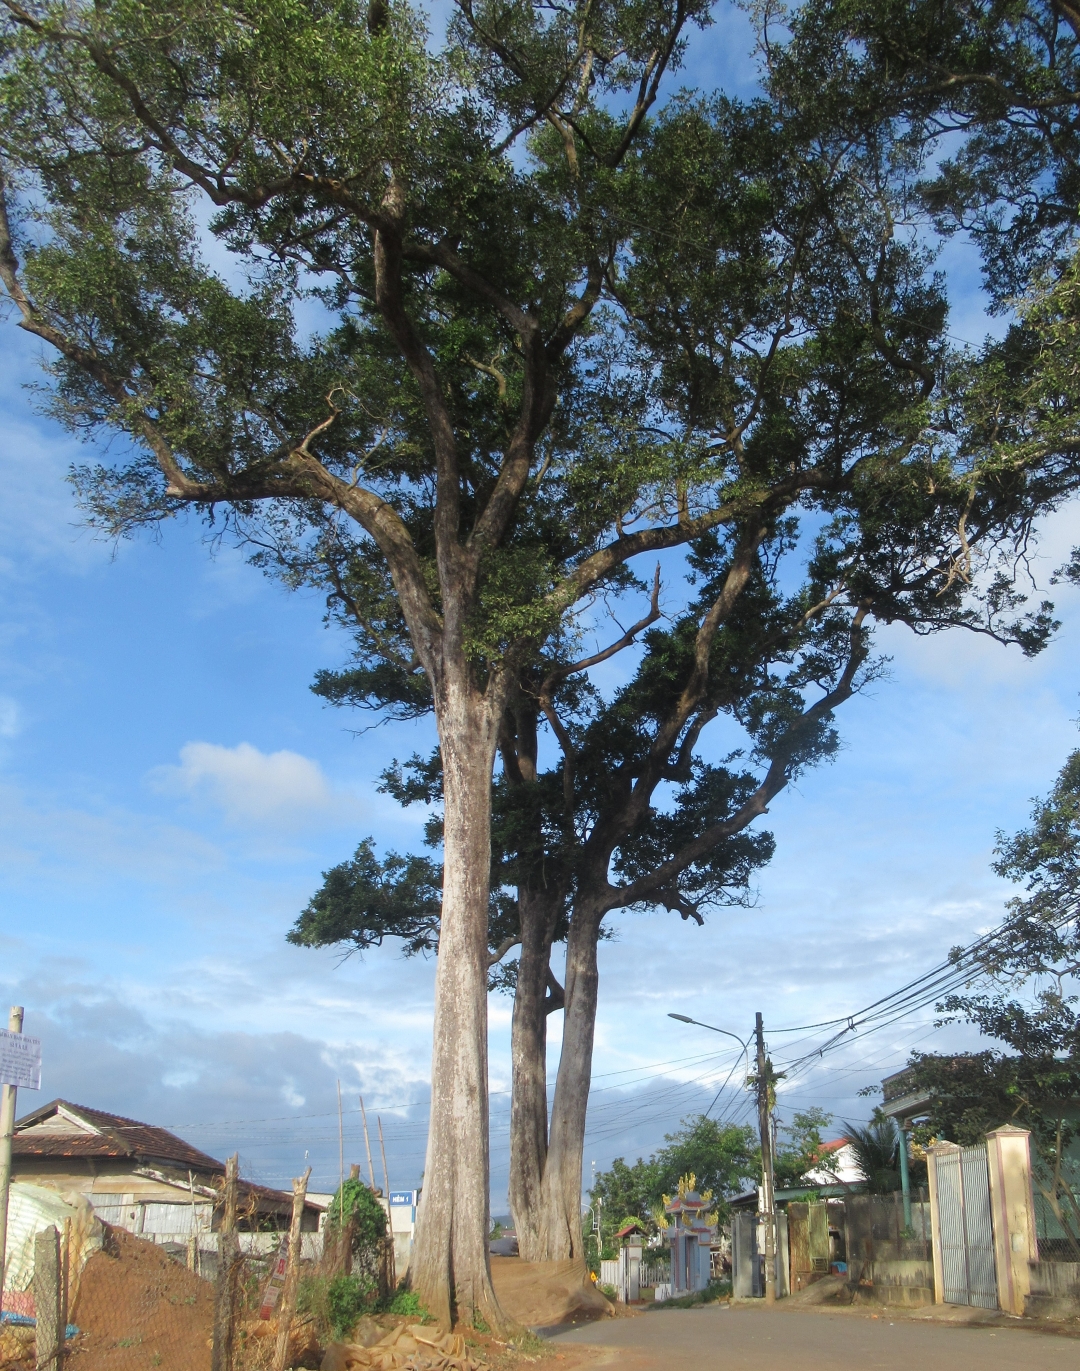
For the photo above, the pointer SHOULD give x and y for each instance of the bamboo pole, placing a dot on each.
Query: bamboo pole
(367, 1144)
(341, 1160)
(392, 1257)
(287, 1307)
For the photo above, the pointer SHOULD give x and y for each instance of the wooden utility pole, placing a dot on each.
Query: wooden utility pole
(7, 1132)
(287, 1307)
(764, 1076)
(222, 1356)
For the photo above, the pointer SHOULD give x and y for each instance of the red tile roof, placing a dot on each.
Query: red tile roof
(114, 1136)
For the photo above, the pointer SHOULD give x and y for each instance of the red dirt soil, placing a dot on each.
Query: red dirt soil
(137, 1308)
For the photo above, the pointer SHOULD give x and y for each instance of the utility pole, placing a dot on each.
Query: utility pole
(764, 1076)
(7, 1131)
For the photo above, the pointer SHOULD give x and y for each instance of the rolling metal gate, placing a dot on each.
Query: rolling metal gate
(966, 1235)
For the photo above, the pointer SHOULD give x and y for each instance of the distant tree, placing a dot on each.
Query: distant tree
(721, 1156)
(800, 1147)
(1025, 995)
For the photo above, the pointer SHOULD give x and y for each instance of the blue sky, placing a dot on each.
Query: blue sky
(171, 792)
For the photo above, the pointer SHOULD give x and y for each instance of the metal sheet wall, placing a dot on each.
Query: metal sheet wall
(965, 1229)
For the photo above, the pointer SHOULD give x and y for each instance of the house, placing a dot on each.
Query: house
(141, 1177)
(836, 1173)
(836, 1165)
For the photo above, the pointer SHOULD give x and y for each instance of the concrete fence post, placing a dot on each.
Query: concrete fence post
(48, 1301)
(1008, 1152)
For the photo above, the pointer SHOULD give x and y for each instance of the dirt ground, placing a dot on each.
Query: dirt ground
(137, 1308)
(542, 1294)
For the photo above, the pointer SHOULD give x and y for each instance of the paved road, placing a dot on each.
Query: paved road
(751, 1338)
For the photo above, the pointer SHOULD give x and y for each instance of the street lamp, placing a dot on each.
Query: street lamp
(685, 1018)
(768, 1185)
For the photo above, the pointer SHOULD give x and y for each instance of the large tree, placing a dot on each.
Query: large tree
(341, 158)
(446, 349)
(783, 319)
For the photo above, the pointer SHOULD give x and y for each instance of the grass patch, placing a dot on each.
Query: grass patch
(527, 1341)
(715, 1290)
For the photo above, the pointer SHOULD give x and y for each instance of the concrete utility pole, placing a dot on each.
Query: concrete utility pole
(764, 1074)
(7, 1132)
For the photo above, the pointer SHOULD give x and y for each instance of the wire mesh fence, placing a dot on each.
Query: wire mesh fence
(128, 1304)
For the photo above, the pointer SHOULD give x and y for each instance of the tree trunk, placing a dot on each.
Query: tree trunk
(528, 1046)
(451, 1269)
(560, 1203)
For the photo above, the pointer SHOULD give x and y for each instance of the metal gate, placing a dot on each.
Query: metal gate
(965, 1233)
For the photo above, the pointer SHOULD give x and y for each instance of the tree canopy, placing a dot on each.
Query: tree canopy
(460, 327)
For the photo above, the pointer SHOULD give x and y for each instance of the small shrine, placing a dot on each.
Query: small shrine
(630, 1239)
(690, 1236)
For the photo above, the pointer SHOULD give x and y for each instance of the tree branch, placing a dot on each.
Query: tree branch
(776, 778)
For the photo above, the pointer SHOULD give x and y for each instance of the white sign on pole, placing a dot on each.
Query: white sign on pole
(20, 1060)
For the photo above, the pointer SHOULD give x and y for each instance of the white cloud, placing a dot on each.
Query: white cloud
(250, 786)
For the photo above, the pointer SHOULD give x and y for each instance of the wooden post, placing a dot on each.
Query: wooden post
(228, 1274)
(50, 1333)
(65, 1290)
(7, 1131)
(391, 1274)
(287, 1307)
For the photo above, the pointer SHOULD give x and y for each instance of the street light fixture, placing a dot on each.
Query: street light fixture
(768, 1183)
(685, 1018)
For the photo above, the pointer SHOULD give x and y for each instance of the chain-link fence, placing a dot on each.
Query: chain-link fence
(82, 1295)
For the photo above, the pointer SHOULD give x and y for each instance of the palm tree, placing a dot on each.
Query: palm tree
(877, 1150)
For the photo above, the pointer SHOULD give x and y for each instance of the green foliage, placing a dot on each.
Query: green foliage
(1030, 964)
(714, 1291)
(876, 1148)
(407, 1302)
(799, 1147)
(721, 1156)
(354, 1206)
(362, 901)
(528, 1342)
(347, 1297)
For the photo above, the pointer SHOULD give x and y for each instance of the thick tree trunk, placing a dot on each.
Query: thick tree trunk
(451, 1269)
(560, 1199)
(528, 1046)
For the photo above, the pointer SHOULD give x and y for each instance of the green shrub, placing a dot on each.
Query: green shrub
(407, 1302)
(715, 1290)
(356, 1201)
(346, 1299)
